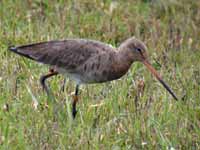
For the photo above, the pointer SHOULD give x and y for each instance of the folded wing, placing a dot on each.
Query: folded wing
(68, 54)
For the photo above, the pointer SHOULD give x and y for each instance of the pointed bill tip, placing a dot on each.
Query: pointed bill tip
(155, 73)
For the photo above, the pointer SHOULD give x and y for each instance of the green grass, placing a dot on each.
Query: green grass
(116, 115)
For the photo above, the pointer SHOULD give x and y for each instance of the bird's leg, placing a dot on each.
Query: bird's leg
(75, 100)
(51, 73)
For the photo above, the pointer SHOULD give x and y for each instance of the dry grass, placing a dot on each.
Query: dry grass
(132, 113)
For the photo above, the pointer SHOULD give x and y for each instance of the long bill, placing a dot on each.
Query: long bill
(155, 73)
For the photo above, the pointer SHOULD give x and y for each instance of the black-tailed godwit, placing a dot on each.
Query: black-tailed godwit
(88, 61)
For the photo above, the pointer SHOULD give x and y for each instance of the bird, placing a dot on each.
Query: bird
(88, 61)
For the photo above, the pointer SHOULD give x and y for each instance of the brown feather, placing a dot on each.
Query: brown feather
(89, 61)
(68, 54)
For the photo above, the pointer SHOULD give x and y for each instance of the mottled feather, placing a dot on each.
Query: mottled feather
(68, 54)
(89, 61)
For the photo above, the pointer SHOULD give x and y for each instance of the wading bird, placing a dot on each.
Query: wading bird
(88, 61)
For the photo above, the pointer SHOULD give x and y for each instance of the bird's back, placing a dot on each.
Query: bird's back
(68, 54)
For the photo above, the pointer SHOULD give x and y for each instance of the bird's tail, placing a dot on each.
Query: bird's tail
(17, 51)
(12, 48)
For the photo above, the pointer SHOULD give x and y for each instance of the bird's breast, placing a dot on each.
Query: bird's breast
(100, 68)
(103, 72)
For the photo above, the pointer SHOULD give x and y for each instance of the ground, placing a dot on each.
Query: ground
(134, 112)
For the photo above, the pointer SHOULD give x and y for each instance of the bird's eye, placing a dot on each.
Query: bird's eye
(139, 49)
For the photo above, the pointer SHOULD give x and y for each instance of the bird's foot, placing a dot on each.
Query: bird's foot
(44, 87)
(74, 111)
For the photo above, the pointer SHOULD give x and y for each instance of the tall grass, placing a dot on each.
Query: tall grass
(134, 112)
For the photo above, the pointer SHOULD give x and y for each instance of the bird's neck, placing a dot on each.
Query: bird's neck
(123, 62)
(125, 56)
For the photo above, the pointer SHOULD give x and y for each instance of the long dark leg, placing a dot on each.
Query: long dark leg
(75, 100)
(44, 77)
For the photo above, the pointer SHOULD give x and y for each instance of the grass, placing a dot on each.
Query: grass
(134, 112)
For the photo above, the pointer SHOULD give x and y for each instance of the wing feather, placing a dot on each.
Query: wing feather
(69, 53)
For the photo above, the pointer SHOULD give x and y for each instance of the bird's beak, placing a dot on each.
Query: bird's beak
(155, 73)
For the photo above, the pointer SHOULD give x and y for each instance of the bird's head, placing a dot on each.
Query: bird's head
(136, 50)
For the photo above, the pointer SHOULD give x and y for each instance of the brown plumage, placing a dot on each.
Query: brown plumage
(88, 61)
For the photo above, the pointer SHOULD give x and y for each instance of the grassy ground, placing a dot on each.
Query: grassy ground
(134, 112)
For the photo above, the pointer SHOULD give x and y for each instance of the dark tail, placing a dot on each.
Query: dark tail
(16, 50)
(12, 48)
